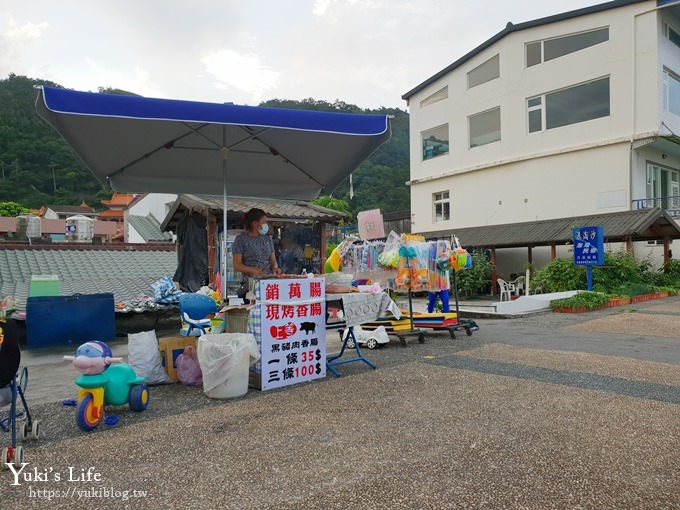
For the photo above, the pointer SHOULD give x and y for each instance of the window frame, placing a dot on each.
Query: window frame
(443, 199)
(543, 105)
(485, 66)
(541, 46)
(477, 115)
(670, 29)
(425, 135)
(669, 75)
(440, 95)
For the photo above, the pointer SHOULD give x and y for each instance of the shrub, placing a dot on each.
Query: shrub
(587, 300)
(470, 281)
(558, 276)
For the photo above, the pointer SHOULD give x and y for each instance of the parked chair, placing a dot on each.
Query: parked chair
(194, 310)
(506, 289)
(519, 285)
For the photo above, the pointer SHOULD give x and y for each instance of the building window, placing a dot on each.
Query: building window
(572, 105)
(435, 142)
(672, 34)
(440, 95)
(663, 187)
(671, 92)
(549, 49)
(485, 127)
(489, 70)
(441, 207)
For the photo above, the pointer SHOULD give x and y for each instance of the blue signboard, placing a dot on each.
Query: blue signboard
(588, 246)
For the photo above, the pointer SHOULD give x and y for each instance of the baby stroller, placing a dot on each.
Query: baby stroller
(12, 387)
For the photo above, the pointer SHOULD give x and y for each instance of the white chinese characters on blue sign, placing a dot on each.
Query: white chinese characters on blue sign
(588, 246)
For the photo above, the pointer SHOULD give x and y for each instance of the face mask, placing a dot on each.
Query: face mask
(264, 230)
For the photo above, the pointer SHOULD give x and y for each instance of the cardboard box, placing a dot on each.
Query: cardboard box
(236, 318)
(255, 379)
(170, 348)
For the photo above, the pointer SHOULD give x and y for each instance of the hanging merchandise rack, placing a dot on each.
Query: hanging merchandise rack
(457, 264)
(410, 275)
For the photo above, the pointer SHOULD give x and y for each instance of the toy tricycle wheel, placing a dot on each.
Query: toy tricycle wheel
(452, 333)
(371, 343)
(139, 397)
(88, 417)
(4, 457)
(468, 331)
(421, 338)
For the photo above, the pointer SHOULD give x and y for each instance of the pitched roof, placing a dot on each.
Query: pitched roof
(149, 228)
(125, 270)
(119, 200)
(275, 209)
(73, 209)
(510, 27)
(639, 225)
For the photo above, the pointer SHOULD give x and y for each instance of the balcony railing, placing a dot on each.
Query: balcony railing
(670, 204)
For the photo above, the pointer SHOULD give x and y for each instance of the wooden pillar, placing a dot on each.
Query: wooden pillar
(553, 252)
(629, 245)
(322, 248)
(530, 255)
(667, 255)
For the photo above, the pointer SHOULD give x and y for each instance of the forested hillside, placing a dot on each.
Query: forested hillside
(37, 167)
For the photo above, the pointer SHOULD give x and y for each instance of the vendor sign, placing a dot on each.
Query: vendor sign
(293, 339)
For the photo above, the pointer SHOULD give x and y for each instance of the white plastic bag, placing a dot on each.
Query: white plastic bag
(225, 360)
(144, 357)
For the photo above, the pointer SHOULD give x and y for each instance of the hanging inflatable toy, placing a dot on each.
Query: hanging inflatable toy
(334, 261)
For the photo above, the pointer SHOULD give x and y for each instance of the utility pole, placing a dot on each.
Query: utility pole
(54, 178)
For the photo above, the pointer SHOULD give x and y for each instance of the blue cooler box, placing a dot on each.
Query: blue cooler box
(60, 320)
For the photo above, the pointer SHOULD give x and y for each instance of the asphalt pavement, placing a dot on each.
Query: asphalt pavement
(541, 411)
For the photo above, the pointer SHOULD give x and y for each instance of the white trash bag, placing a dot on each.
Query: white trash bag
(225, 360)
(144, 358)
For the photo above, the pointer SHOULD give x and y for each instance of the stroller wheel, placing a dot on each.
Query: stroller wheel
(12, 456)
(35, 429)
(24, 430)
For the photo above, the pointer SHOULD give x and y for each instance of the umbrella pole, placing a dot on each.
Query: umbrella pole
(225, 259)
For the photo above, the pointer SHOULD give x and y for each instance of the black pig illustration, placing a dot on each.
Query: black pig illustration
(307, 327)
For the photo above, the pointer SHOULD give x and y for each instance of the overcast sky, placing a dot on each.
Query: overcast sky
(363, 52)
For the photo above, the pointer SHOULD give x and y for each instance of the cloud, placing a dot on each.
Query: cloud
(243, 72)
(25, 32)
(15, 38)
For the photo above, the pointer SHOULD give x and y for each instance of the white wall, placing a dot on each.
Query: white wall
(571, 184)
(156, 204)
(579, 169)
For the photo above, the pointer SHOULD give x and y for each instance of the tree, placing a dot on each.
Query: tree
(12, 209)
(337, 204)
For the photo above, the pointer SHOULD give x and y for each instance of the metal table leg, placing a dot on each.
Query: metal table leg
(334, 361)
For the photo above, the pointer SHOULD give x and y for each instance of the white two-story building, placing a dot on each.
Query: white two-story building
(572, 115)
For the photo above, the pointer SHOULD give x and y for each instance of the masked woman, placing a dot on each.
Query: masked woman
(254, 249)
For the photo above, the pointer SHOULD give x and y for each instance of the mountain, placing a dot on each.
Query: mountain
(37, 167)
